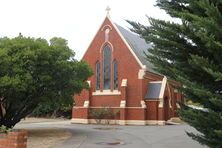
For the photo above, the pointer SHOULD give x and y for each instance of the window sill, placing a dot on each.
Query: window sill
(106, 92)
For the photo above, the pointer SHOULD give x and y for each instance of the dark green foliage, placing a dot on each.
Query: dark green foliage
(49, 108)
(190, 52)
(4, 129)
(33, 71)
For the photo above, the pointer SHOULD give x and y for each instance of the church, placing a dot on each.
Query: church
(124, 80)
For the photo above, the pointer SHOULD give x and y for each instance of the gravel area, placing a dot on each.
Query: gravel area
(46, 138)
(41, 136)
(38, 120)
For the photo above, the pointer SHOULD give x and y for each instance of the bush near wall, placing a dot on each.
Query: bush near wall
(103, 113)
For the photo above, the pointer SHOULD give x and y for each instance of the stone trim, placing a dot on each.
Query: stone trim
(155, 122)
(86, 104)
(103, 45)
(106, 26)
(155, 82)
(163, 87)
(176, 90)
(108, 106)
(117, 107)
(170, 95)
(104, 121)
(120, 122)
(106, 92)
(124, 83)
(78, 120)
(89, 82)
(143, 104)
(122, 104)
(136, 122)
(178, 106)
(141, 73)
(164, 81)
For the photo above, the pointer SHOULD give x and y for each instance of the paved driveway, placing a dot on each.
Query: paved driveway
(107, 136)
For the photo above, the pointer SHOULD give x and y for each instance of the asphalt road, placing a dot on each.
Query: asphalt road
(107, 136)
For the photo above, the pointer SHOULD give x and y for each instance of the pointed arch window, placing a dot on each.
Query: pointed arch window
(115, 75)
(106, 67)
(97, 75)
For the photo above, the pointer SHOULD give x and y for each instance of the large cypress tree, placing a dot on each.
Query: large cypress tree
(190, 52)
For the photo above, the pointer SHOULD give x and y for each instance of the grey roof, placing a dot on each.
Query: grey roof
(153, 91)
(138, 45)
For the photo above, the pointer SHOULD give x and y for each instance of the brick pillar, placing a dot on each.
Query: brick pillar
(86, 104)
(142, 102)
(174, 104)
(161, 106)
(161, 113)
(143, 109)
(80, 113)
(178, 98)
(123, 102)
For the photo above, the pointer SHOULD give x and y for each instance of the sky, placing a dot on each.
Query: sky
(75, 20)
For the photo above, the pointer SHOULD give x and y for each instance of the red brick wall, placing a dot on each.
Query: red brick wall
(16, 139)
(109, 101)
(80, 98)
(152, 110)
(135, 114)
(127, 65)
(80, 113)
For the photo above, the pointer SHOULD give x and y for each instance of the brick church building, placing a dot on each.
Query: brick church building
(124, 80)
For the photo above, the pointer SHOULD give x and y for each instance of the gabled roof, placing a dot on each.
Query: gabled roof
(138, 45)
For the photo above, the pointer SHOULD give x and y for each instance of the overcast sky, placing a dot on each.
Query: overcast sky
(75, 20)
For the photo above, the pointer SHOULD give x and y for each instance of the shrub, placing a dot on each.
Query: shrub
(4, 129)
(103, 113)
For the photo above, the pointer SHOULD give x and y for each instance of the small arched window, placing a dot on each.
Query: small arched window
(106, 67)
(115, 68)
(97, 75)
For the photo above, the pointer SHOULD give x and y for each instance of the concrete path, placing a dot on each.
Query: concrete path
(107, 136)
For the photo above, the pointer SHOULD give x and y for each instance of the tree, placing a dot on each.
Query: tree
(33, 70)
(190, 52)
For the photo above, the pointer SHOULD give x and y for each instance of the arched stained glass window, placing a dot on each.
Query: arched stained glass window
(115, 68)
(106, 67)
(97, 75)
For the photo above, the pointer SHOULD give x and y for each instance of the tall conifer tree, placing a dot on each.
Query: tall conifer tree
(190, 52)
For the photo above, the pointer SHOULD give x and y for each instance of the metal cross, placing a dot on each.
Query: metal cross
(108, 10)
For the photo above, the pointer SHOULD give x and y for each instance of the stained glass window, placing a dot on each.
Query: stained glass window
(115, 68)
(97, 75)
(106, 67)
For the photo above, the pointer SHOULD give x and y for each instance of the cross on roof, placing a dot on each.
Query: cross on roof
(108, 10)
